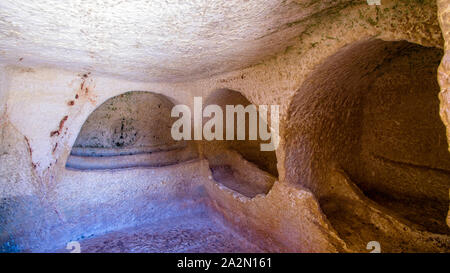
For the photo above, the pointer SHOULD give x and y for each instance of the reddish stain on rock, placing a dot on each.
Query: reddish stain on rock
(84, 88)
(61, 125)
(53, 133)
(30, 151)
(54, 148)
(29, 146)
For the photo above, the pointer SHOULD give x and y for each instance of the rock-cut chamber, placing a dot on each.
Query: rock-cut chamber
(129, 130)
(370, 113)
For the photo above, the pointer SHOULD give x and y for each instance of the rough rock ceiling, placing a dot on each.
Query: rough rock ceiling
(151, 40)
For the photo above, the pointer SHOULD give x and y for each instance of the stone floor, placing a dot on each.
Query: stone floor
(193, 233)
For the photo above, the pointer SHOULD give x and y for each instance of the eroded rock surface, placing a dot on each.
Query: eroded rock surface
(364, 105)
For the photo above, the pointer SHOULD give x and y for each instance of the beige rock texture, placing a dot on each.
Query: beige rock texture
(364, 108)
(119, 123)
(249, 149)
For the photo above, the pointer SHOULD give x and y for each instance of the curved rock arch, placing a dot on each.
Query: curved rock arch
(129, 130)
(351, 132)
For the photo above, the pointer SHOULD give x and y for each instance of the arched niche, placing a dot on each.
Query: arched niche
(130, 130)
(371, 113)
(239, 164)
